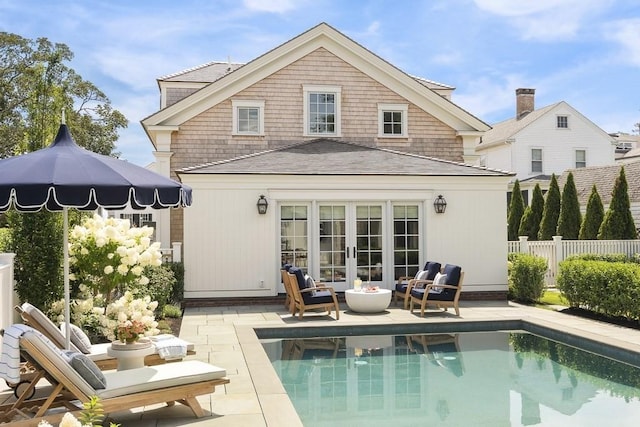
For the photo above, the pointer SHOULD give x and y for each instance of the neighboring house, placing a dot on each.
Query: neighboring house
(627, 147)
(604, 177)
(350, 154)
(538, 143)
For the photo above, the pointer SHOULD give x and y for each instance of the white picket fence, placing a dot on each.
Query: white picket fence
(557, 250)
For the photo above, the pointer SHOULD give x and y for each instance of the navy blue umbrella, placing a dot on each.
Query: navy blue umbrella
(65, 175)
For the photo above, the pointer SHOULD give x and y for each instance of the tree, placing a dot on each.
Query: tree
(592, 217)
(516, 210)
(549, 223)
(530, 223)
(618, 222)
(570, 217)
(36, 85)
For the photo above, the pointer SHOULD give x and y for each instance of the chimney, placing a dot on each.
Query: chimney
(524, 102)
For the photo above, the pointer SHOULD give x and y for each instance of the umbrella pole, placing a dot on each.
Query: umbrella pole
(65, 256)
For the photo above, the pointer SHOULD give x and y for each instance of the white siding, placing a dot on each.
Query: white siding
(229, 248)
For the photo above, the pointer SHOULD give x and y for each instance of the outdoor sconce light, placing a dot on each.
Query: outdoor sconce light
(440, 204)
(262, 205)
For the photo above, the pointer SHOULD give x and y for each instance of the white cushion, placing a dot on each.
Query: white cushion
(46, 326)
(78, 337)
(422, 275)
(438, 280)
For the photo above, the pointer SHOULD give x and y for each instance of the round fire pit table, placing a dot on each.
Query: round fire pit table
(367, 302)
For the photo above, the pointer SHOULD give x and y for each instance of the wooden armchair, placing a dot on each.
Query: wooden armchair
(406, 283)
(306, 298)
(288, 302)
(441, 293)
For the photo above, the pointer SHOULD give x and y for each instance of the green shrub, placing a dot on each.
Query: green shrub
(159, 288)
(610, 288)
(603, 257)
(173, 311)
(177, 294)
(5, 240)
(526, 277)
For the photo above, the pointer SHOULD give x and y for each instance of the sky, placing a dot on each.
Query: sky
(583, 52)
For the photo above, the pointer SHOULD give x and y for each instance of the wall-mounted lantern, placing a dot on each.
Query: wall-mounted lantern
(262, 205)
(440, 204)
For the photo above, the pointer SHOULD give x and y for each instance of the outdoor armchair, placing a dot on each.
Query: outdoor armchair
(307, 296)
(443, 292)
(406, 283)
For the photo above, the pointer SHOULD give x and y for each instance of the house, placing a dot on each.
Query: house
(537, 143)
(604, 178)
(627, 147)
(323, 154)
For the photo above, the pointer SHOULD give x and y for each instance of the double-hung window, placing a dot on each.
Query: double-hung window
(392, 120)
(536, 160)
(248, 117)
(322, 110)
(581, 158)
(562, 122)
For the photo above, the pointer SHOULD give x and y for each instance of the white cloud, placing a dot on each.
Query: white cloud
(627, 34)
(545, 20)
(490, 98)
(272, 6)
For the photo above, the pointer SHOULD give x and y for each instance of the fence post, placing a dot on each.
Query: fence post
(557, 240)
(524, 244)
(177, 251)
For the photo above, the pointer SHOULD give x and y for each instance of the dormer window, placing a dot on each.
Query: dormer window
(392, 120)
(563, 122)
(322, 110)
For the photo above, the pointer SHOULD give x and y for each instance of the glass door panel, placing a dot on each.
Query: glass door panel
(369, 228)
(332, 225)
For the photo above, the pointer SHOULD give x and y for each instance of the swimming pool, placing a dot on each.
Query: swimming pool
(490, 378)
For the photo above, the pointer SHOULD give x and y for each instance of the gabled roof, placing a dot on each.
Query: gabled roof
(504, 131)
(320, 36)
(331, 157)
(604, 177)
(501, 132)
(205, 73)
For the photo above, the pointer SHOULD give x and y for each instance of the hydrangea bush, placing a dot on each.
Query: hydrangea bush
(108, 254)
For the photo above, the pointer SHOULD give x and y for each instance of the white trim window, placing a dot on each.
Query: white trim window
(392, 120)
(248, 117)
(322, 110)
(581, 158)
(562, 122)
(536, 160)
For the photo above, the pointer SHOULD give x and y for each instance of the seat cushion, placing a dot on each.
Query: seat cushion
(417, 292)
(46, 326)
(320, 297)
(120, 383)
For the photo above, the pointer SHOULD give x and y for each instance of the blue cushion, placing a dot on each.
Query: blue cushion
(417, 292)
(432, 269)
(453, 274)
(287, 267)
(401, 287)
(302, 283)
(319, 297)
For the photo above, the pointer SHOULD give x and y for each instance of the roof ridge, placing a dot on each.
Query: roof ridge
(197, 67)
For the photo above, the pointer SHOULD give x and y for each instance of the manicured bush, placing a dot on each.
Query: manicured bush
(530, 222)
(526, 277)
(177, 294)
(570, 217)
(5, 240)
(618, 222)
(516, 210)
(159, 288)
(593, 216)
(549, 223)
(609, 288)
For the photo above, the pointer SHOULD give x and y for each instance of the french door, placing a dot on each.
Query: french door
(351, 243)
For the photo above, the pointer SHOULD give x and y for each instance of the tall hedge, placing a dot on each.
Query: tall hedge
(618, 222)
(549, 223)
(516, 210)
(570, 217)
(530, 223)
(593, 216)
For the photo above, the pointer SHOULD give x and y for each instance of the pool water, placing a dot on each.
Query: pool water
(463, 379)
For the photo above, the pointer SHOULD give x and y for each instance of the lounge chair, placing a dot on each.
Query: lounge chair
(441, 293)
(406, 283)
(35, 318)
(308, 298)
(72, 386)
